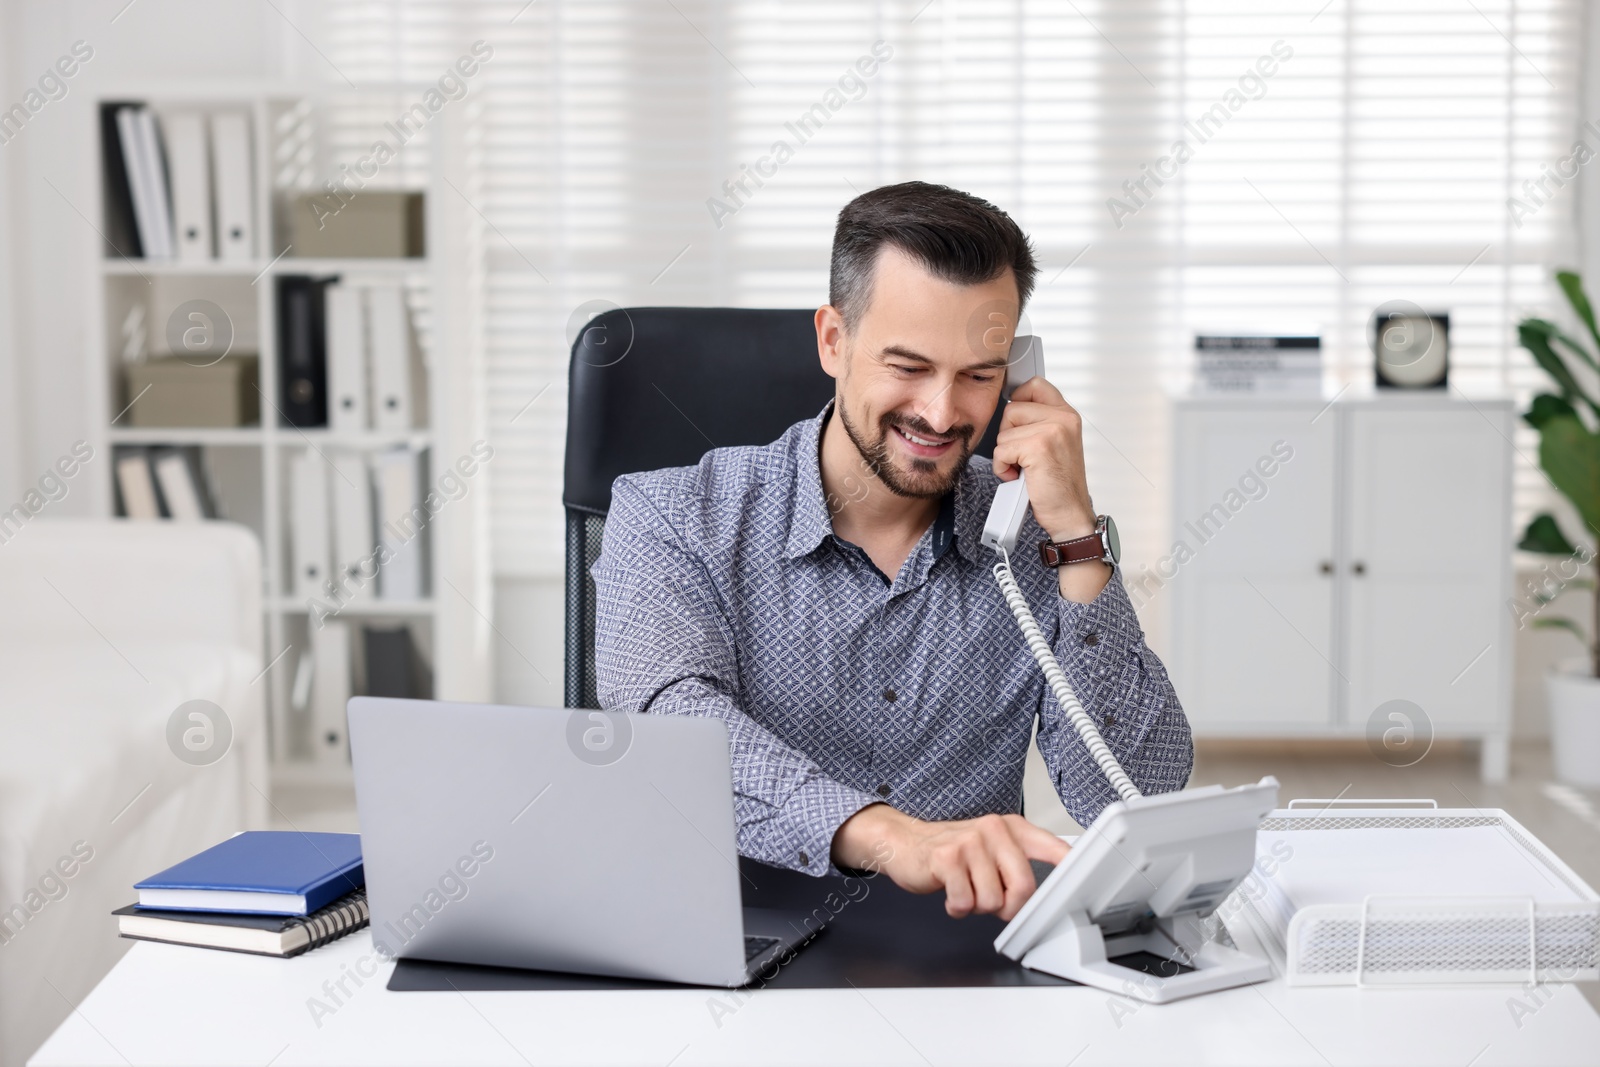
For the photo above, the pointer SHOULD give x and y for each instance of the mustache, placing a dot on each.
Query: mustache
(919, 426)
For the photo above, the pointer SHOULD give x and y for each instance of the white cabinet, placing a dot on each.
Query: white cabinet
(1330, 558)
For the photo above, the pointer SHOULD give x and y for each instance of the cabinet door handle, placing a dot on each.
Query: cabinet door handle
(1359, 567)
(1326, 566)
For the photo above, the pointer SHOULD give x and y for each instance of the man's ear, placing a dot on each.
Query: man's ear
(831, 342)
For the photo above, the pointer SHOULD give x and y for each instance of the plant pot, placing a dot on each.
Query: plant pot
(1573, 696)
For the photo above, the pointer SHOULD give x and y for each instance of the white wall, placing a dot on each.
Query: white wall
(10, 382)
(529, 648)
(45, 240)
(1536, 653)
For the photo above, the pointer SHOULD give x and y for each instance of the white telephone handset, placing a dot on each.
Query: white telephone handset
(1010, 505)
(1202, 836)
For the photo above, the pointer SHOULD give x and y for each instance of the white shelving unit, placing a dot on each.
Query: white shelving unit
(296, 136)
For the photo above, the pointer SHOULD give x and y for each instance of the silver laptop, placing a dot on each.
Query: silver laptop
(557, 839)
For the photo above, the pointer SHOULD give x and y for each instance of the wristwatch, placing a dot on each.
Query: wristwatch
(1102, 545)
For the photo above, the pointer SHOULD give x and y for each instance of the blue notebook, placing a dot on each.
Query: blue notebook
(266, 872)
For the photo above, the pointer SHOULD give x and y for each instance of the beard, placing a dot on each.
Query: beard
(923, 479)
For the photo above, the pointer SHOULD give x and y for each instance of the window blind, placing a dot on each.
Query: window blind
(1336, 155)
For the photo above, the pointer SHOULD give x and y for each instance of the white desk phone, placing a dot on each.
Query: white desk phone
(1149, 870)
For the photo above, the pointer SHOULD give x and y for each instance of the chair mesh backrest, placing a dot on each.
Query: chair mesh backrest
(584, 533)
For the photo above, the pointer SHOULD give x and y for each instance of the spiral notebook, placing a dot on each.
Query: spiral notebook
(263, 935)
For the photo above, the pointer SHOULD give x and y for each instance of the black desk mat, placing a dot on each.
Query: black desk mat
(879, 936)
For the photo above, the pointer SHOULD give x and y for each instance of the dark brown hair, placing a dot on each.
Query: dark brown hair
(956, 236)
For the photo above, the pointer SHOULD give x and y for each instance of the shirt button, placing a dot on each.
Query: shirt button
(805, 861)
(890, 695)
(1091, 639)
(883, 790)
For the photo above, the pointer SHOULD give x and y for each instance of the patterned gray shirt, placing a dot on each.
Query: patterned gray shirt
(723, 591)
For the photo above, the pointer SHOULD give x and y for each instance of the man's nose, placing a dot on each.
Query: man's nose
(938, 407)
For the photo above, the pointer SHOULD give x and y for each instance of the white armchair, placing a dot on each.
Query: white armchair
(106, 628)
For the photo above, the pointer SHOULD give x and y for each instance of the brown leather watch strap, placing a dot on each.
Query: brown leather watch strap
(1078, 550)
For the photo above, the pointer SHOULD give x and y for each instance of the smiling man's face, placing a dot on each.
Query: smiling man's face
(920, 375)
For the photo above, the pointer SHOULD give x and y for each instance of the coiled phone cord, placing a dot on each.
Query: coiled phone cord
(1058, 680)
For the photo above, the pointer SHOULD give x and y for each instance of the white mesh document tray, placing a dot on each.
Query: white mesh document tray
(1397, 896)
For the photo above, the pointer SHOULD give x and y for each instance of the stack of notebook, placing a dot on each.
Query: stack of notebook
(274, 893)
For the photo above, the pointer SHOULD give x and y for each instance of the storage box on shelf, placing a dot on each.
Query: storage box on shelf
(205, 329)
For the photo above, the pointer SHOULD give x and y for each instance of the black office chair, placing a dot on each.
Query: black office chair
(657, 387)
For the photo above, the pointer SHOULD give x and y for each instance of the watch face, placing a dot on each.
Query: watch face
(1112, 541)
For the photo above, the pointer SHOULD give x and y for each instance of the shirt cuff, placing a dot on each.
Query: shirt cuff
(815, 812)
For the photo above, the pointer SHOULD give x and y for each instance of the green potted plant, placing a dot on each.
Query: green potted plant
(1569, 452)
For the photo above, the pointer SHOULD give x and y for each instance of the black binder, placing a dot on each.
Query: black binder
(303, 350)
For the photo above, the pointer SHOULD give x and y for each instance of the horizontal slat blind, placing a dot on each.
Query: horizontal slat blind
(1375, 162)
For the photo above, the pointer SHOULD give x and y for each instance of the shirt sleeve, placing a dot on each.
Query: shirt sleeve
(1125, 689)
(663, 645)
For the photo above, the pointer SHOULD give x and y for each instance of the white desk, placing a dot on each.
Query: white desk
(173, 1005)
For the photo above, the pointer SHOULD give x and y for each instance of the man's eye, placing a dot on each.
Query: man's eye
(900, 368)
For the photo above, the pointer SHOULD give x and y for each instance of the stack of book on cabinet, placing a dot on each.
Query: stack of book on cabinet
(1278, 363)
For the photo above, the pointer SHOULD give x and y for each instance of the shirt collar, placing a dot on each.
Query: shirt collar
(812, 520)
(971, 509)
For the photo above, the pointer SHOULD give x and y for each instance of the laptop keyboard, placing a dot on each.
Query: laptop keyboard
(755, 946)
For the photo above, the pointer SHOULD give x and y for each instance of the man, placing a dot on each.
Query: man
(827, 596)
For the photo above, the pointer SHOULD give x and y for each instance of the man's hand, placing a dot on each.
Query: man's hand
(981, 864)
(1043, 434)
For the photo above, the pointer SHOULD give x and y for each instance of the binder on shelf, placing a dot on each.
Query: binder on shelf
(300, 694)
(182, 484)
(302, 350)
(349, 405)
(160, 183)
(191, 186)
(392, 665)
(308, 523)
(121, 226)
(230, 165)
(331, 690)
(136, 486)
(399, 386)
(136, 150)
(402, 523)
(155, 161)
(354, 537)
